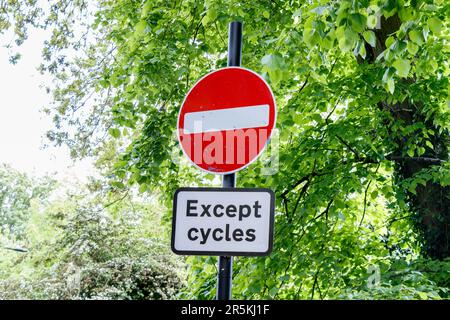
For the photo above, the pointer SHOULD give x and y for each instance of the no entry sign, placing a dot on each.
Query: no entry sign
(226, 120)
(223, 221)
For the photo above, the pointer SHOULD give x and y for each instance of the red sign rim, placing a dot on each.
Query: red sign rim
(268, 138)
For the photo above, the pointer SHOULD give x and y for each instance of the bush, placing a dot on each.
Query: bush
(82, 248)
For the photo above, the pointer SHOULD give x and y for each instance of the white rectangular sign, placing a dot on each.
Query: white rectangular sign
(227, 119)
(223, 221)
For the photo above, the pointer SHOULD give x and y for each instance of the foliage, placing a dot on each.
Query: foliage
(17, 194)
(362, 94)
(407, 281)
(80, 247)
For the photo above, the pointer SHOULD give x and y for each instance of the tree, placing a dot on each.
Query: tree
(421, 144)
(92, 244)
(362, 93)
(17, 193)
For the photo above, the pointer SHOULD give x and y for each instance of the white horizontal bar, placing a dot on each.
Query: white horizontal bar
(227, 119)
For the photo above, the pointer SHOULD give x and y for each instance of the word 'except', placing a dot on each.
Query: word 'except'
(208, 210)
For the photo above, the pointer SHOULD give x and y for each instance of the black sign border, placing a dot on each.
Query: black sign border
(224, 253)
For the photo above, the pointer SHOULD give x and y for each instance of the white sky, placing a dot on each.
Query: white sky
(22, 124)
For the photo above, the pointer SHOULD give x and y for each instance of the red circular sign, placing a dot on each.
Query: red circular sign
(226, 120)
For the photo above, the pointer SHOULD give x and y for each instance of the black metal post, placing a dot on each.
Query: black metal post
(229, 180)
(234, 44)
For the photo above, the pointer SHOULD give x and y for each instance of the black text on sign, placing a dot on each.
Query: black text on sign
(223, 221)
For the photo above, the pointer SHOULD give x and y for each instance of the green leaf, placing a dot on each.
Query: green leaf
(347, 39)
(357, 21)
(400, 47)
(362, 51)
(389, 8)
(390, 85)
(142, 188)
(412, 48)
(328, 41)
(406, 13)
(316, 117)
(210, 16)
(412, 187)
(285, 278)
(374, 195)
(423, 295)
(114, 132)
(389, 41)
(255, 287)
(118, 184)
(435, 25)
(416, 36)
(402, 66)
(310, 36)
(140, 27)
(369, 36)
(272, 61)
(274, 65)
(273, 291)
(146, 8)
(372, 21)
(388, 74)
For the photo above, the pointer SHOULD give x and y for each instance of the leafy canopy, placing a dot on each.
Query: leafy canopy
(341, 207)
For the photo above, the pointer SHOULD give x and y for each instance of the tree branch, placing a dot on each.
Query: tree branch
(356, 153)
(324, 212)
(365, 197)
(302, 193)
(304, 84)
(314, 285)
(305, 178)
(418, 159)
(286, 209)
(365, 203)
(16, 249)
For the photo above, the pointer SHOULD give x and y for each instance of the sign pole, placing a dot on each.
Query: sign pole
(229, 180)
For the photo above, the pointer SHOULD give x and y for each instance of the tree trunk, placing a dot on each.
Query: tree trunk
(430, 205)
